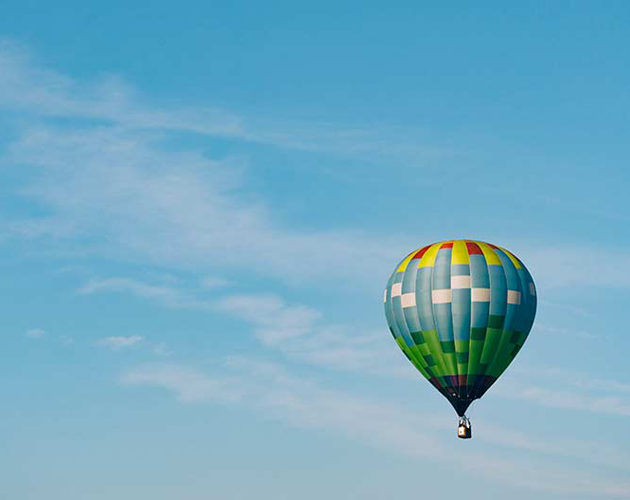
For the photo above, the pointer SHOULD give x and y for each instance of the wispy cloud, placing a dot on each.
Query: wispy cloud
(166, 295)
(575, 401)
(572, 378)
(274, 320)
(303, 333)
(161, 349)
(120, 342)
(568, 390)
(188, 385)
(303, 403)
(554, 330)
(298, 331)
(566, 307)
(117, 342)
(124, 196)
(213, 282)
(583, 265)
(31, 88)
(35, 333)
(106, 179)
(588, 452)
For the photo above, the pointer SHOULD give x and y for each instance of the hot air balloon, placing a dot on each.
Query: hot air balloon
(460, 310)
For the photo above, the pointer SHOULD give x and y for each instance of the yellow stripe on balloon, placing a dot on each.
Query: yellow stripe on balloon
(460, 253)
(428, 259)
(403, 265)
(492, 259)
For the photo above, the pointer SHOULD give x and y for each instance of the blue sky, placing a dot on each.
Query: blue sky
(200, 206)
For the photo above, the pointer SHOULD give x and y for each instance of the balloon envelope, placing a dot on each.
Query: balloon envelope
(460, 310)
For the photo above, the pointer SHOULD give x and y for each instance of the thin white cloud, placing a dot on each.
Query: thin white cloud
(579, 265)
(302, 333)
(214, 282)
(169, 296)
(161, 349)
(567, 399)
(274, 320)
(131, 199)
(35, 333)
(31, 88)
(298, 331)
(562, 389)
(302, 403)
(110, 183)
(566, 307)
(588, 452)
(188, 385)
(572, 379)
(120, 342)
(554, 330)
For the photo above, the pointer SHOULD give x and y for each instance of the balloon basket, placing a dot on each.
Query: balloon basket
(464, 429)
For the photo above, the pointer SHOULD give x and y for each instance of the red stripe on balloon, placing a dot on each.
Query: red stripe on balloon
(473, 248)
(420, 252)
